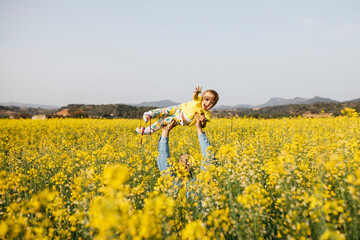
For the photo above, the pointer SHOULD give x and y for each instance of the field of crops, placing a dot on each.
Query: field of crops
(91, 179)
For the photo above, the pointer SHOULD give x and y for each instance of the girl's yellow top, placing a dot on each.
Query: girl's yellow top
(193, 107)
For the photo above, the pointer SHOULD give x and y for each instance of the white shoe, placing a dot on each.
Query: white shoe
(144, 130)
(146, 116)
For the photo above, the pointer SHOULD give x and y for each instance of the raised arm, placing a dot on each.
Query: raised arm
(204, 143)
(163, 148)
(196, 93)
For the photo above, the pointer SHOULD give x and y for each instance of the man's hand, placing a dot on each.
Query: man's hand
(200, 123)
(200, 119)
(166, 129)
(170, 125)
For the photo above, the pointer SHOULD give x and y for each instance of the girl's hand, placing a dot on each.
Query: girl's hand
(198, 90)
(196, 93)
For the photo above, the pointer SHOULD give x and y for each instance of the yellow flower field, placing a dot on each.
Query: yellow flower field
(91, 179)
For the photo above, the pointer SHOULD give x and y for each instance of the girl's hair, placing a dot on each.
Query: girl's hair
(213, 92)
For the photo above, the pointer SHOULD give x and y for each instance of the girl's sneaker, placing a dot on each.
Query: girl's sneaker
(146, 116)
(144, 130)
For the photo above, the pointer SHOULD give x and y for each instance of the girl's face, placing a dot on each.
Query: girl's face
(208, 101)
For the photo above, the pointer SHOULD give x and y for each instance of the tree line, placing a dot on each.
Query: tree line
(106, 111)
(293, 110)
(112, 111)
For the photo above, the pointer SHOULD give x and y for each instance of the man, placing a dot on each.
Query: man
(185, 162)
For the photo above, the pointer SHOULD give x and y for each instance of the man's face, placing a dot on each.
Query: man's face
(208, 101)
(185, 163)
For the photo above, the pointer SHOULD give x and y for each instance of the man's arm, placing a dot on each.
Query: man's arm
(204, 143)
(163, 148)
(200, 121)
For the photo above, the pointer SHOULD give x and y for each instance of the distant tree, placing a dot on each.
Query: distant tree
(22, 115)
(77, 113)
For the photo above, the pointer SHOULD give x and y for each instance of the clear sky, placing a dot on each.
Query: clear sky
(100, 52)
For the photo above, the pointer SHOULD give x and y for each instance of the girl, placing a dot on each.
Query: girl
(183, 114)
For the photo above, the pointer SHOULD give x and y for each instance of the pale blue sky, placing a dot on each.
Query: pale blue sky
(100, 52)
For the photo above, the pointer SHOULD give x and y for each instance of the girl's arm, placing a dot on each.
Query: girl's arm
(196, 93)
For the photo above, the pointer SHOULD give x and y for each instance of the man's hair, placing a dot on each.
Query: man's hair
(214, 93)
(191, 172)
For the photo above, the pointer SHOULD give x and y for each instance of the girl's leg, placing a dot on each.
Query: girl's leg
(160, 112)
(156, 126)
(161, 123)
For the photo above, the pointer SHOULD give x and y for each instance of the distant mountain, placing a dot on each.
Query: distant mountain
(283, 101)
(317, 99)
(167, 103)
(278, 102)
(354, 100)
(227, 107)
(162, 103)
(29, 105)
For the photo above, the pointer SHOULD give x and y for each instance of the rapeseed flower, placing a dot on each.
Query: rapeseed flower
(293, 178)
